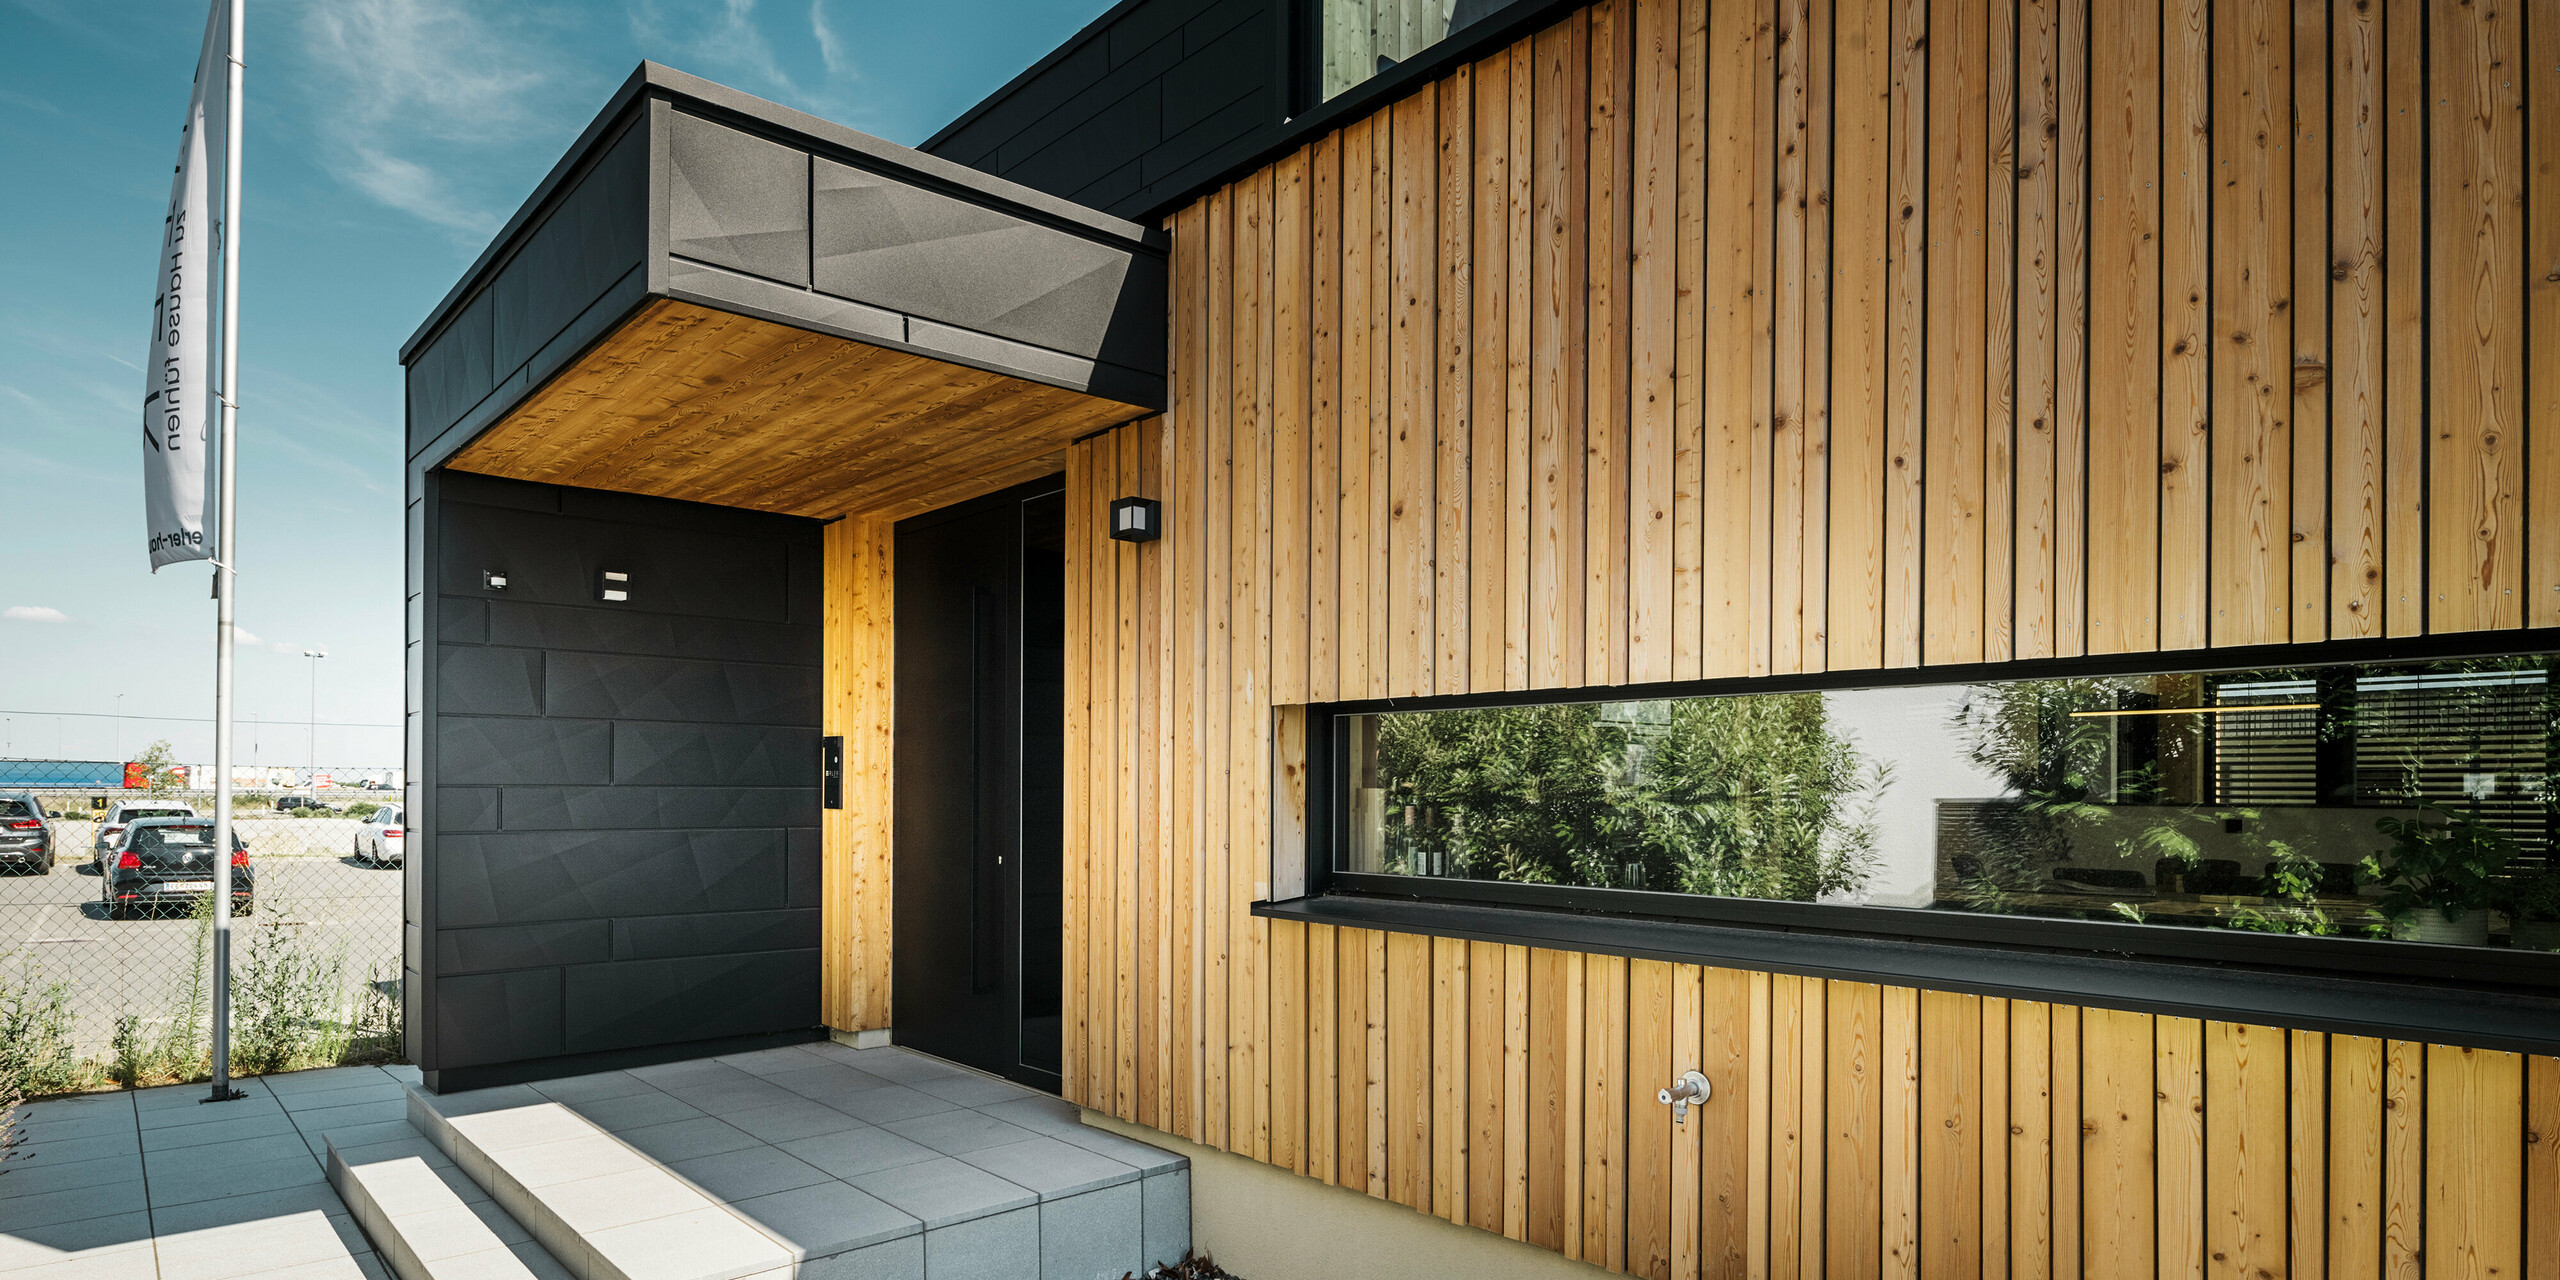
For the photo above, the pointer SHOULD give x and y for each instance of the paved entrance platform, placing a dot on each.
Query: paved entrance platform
(158, 1185)
(818, 1160)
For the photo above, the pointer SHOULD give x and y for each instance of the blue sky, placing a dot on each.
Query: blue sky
(387, 139)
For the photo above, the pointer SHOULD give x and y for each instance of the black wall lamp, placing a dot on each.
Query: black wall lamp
(613, 586)
(1136, 519)
(493, 579)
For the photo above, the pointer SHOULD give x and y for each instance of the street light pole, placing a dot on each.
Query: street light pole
(119, 728)
(311, 741)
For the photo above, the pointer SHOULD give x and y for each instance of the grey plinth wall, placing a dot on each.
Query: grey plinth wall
(620, 850)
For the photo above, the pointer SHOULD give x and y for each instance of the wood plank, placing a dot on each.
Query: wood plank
(2037, 129)
(2356, 370)
(1453, 445)
(1253, 766)
(1162, 747)
(1736, 635)
(2307, 1140)
(1516, 995)
(1853, 1189)
(1556, 630)
(2541, 65)
(1688, 1181)
(1217, 604)
(1605, 343)
(1412, 526)
(1358, 446)
(1814, 554)
(2124, 309)
(1327, 1028)
(1075, 1023)
(1862, 222)
(1552, 1050)
(1374, 1124)
(1761, 88)
(2116, 1150)
(1999, 193)
(1952, 524)
(1906, 333)
(2475, 1163)
(1783, 1182)
(2252, 266)
(1190, 657)
(1995, 1130)
(1327, 264)
(1813, 1117)
(1650, 984)
(1408, 1025)
(1289, 1014)
(2033, 1193)
(1128, 712)
(2071, 579)
(1382, 421)
(2308, 152)
(2355, 1146)
(2475, 369)
(1577, 1085)
(1352, 1078)
(1688, 373)
(2404, 257)
(1450, 1002)
(1898, 1132)
(1653, 294)
(2247, 1164)
(2186, 334)
(1292, 473)
(1608, 1093)
(1519, 432)
(1790, 283)
(2404, 1138)
(1484, 1063)
(1951, 1188)
(2180, 1126)
(2070, 1122)
(2542, 1157)
(1489, 297)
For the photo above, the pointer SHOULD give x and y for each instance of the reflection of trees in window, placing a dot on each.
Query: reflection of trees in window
(1749, 796)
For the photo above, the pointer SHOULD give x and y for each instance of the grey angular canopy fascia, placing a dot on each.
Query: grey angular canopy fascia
(688, 190)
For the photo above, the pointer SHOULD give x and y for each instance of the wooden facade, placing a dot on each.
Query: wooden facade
(1702, 338)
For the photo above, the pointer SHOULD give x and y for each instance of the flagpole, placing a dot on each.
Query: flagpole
(226, 557)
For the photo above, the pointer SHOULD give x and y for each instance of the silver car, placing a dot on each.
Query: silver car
(381, 837)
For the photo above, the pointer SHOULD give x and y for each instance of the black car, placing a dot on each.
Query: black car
(161, 861)
(26, 833)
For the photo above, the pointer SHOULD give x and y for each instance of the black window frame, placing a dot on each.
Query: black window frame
(2494, 997)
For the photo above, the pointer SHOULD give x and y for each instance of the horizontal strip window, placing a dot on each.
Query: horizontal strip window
(2390, 819)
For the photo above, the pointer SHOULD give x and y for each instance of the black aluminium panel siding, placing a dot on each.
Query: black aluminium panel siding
(617, 832)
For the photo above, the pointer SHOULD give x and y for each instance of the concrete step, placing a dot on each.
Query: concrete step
(428, 1220)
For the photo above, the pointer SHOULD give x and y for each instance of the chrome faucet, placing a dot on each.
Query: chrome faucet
(1688, 1089)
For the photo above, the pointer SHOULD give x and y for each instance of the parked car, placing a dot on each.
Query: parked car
(160, 861)
(26, 833)
(123, 812)
(381, 838)
(286, 804)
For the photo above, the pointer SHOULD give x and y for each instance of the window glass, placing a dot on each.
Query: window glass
(2410, 802)
(1365, 38)
(15, 808)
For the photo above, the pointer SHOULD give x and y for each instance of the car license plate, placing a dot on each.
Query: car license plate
(185, 886)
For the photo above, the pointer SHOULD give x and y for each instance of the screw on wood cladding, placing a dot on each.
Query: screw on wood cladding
(1853, 358)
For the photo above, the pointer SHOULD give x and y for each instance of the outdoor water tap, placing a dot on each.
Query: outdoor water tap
(1688, 1089)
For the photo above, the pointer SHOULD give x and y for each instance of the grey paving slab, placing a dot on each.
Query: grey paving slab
(52, 1122)
(633, 1110)
(1042, 1114)
(379, 1088)
(324, 1079)
(1091, 1235)
(974, 1090)
(405, 1073)
(378, 1111)
(454, 1106)
(552, 1163)
(533, 1126)
(897, 1102)
(827, 1080)
(126, 1141)
(36, 1177)
(233, 1211)
(899, 1259)
(786, 1121)
(746, 1174)
(46, 1208)
(129, 1262)
(828, 1218)
(593, 1088)
(590, 1205)
(695, 1071)
(707, 1244)
(1003, 1246)
(432, 1235)
(687, 1139)
(22, 1247)
(942, 1191)
(265, 1175)
(413, 1181)
(357, 1135)
(202, 1161)
(1051, 1167)
(1137, 1155)
(901, 1065)
(765, 1062)
(271, 1124)
(723, 1097)
(858, 1151)
(1164, 1216)
(181, 1096)
(263, 1247)
(958, 1132)
(196, 1111)
(514, 1262)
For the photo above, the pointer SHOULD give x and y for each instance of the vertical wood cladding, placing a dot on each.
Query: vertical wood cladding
(1694, 338)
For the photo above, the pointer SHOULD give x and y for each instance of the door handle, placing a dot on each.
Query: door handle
(1685, 1091)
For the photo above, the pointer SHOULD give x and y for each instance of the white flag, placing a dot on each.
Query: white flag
(180, 422)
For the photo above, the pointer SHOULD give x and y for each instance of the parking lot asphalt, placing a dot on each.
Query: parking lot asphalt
(54, 929)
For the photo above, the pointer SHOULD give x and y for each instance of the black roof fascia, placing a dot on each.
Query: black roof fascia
(825, 138)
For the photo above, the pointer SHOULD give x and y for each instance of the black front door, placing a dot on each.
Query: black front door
(980, 705)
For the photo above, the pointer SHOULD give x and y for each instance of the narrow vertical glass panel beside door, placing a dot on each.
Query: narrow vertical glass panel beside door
(2411, 802)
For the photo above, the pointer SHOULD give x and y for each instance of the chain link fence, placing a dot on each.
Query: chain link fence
(98, 991)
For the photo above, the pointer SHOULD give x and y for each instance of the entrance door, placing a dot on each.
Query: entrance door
(981, 632)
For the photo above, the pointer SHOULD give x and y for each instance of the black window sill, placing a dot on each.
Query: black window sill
(2521, 1019)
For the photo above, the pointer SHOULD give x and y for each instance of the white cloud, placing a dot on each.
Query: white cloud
(243, 635)
(33, 613)
(830, 45)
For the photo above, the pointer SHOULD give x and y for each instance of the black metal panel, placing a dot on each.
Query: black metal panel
(736, 200)
(649, 762)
